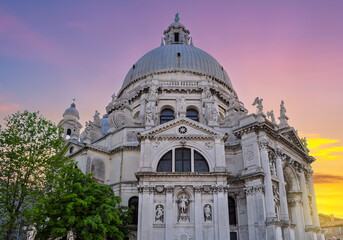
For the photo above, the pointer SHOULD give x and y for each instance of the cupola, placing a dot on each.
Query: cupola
(176, 33)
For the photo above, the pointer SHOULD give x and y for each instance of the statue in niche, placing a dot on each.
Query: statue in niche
(159, 213)
(213, 113)
(258, 101)
(207, 212)
(96, 118)
(182, 104)
(149, 114)
(31, 232)
(183, 209)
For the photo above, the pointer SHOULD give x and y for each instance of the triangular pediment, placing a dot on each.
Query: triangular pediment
(292, 136)
(182, 128)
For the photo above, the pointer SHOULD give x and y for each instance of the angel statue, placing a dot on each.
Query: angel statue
(258, 102)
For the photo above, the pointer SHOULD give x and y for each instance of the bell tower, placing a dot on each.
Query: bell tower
(70, 123)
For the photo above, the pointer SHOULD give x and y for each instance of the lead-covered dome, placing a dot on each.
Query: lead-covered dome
(178, 57)
(176, 54)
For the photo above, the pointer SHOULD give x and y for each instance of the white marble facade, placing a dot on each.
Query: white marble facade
(178, 144)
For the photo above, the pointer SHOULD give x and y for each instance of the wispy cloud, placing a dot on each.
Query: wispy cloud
(21, 41)
(324, 148)
(327, 178)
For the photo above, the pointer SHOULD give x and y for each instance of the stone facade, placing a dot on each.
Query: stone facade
(178, 144)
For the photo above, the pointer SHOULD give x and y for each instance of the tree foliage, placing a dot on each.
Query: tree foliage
(79, 203)
(30, 149)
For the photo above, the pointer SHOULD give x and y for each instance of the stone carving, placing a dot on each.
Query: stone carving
(283, 118)
(96, 118)
(182, 104)
(119, 119)
(31, 232)
(114, 97)
(252, 190)
(270, 114)
(276, 200)
(209, 145)
(250, 155)
(150, 113)
(159, 213)
(206, 94)
(310, 203)
(183, 204)
(212, 114)
(207, 212)
(153, 92)
(263, 144)
(71, 235)
(258, 101)
(182, 130)
(156, 144)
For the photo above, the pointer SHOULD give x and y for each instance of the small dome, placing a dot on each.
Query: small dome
(72, 111)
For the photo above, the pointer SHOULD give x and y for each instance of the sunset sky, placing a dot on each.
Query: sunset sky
(54, 51)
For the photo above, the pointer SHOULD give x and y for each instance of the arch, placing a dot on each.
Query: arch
(210, 160)
(232, 211)
(133, 202)
(68, 132)
(166, 115)
(192, 114)
(291, 179)
(183, 160)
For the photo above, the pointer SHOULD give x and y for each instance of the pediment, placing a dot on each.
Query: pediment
(292, 136)
(182, 128)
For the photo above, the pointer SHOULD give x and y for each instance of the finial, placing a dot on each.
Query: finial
(177, 18)
(191, 41)
(73, 104)
(162, 44)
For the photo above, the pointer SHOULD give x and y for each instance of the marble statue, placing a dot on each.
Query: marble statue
(258, 101)
(182, 104)
(271, 115)
(208, 212)
(183, 209)
(96, 118)
(159, 213)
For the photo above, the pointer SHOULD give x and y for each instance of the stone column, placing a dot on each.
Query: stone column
(198, 214)
(295, 205)
(222, 213)
(268, 188)
(283, 197)
(250, 212)
(169, 213)
(145, 210)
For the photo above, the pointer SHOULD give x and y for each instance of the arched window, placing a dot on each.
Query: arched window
(68, 132)
(192, 114)
(133, 202)
(165, 164)
(166, 115)
(200, 164)
(182, 158)
(232, 211)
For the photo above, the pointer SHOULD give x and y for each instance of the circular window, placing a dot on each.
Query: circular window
(182, 130)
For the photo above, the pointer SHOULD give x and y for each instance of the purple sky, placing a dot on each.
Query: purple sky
(54, 51)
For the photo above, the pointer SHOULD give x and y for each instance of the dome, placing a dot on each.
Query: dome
(181, 57)
(72, 111)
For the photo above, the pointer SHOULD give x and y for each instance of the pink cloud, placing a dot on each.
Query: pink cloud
(20, 41)
(9, 107)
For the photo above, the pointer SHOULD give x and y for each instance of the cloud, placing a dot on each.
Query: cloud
(325, 149)
(326, 178)
(9, 107)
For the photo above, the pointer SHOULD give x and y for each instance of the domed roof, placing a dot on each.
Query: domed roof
(177, 57)
(72, 111)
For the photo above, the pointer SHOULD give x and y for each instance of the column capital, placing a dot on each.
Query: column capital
(252, 190)
(169, 189)
(263, 144)
(279, 152)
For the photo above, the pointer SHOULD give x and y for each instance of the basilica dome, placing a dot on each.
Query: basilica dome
(181, 57)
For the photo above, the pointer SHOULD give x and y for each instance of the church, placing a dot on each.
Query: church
(178, 145)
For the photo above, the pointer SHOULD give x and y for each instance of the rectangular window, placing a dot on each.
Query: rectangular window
(182, 160)
(176, 37)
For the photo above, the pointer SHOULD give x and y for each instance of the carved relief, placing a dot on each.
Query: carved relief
(209, 145)
(207, 212)
(119, 119)
(252, 190)
(159, 213)
(156, 144)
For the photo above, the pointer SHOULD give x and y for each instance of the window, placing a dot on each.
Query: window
(182, 160)
(133, 202)
(71, 149)
(176, 37)
(165, 164)
(233, 236)
(166, 115)
(232, 211)
(68, 132)
(192, 114)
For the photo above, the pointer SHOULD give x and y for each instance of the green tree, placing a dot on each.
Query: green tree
(30, 150)
(79, 203)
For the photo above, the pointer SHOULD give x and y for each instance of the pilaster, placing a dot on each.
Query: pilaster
(169, 213)
(198, 213)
